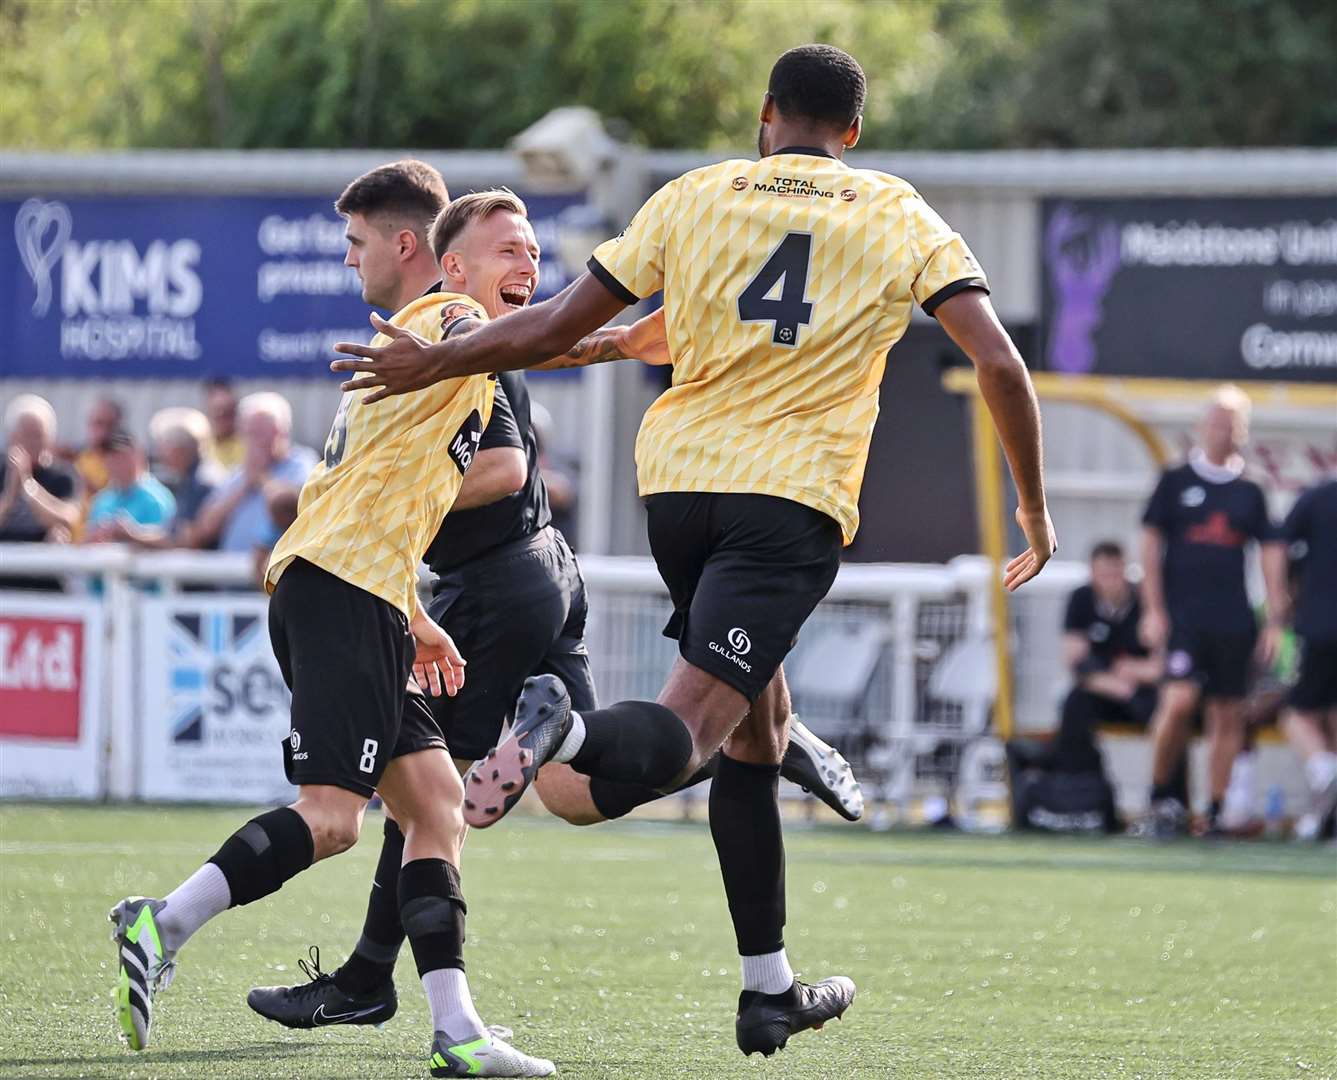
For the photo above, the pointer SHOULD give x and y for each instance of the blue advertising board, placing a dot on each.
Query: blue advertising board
(192, 286)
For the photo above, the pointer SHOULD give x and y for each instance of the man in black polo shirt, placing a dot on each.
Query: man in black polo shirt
(1114, 676)
(1310, 721)
(1200, 519)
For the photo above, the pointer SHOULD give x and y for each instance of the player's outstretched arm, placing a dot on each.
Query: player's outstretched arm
(646, 340)
(1006, 387)
(520, 340)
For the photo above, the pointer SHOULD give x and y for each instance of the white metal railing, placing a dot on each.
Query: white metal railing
(894, 665)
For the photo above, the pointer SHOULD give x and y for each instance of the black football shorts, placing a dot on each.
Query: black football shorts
(513, 613)
(1316, 688)
(346, 655)
(744, 572)
(1219, 661)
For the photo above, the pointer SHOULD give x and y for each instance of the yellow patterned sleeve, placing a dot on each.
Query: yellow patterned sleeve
(945, 265)
(631, 266)
(424, 319)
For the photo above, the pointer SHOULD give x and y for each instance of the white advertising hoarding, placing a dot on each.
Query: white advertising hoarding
(53, 719)
(214, 709)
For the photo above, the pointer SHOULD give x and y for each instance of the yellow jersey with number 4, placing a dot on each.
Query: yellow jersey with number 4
(786, 281)
(389, 474)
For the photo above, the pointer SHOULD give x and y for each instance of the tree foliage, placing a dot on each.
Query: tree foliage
(943, 74)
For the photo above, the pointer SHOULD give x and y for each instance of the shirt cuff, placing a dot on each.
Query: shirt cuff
(948, 291)
(609, 282)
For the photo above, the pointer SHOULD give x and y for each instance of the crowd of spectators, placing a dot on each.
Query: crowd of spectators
(226, 478)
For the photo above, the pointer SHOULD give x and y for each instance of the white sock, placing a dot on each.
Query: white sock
(1320, 769)
(575, 739)
(453, 1009)
(192, 904)
(769, 973)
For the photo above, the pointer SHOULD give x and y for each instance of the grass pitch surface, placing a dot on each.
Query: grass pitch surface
(608, 949)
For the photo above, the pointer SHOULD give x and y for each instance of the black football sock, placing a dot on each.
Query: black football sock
(745, 825)
(615, 799)
(372, 963)
(431, 908)
(264, 853)
(636, 742)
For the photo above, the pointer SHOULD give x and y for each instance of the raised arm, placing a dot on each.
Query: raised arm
(520, 340)
(1006, 387)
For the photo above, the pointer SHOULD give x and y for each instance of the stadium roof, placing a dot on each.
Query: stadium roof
(1087, 172)
(1021, 172)
(236, 171)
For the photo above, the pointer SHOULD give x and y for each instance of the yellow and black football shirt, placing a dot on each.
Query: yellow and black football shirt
(390, 473)
(786, 281)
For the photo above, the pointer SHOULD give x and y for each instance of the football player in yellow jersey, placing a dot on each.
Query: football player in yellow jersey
(349, 633)
(786, 281)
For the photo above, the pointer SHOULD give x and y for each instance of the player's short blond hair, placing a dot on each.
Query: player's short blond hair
(268, 403)
(33, 405)
(475, 206)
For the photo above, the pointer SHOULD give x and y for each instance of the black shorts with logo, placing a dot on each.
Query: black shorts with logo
(1219, 661)
(513, 612)
(1316, 688)
(346, 655)
(744, 572)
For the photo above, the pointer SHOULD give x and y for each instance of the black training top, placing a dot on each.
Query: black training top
(466, 535)
(1312, 523)
(1206, 523)
(1111, 633)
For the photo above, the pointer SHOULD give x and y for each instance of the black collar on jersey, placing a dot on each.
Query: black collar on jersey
(812, 151)
(436, 288)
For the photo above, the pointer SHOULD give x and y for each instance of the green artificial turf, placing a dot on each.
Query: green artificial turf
(609, 950)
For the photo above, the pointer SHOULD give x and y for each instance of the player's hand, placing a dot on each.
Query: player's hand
(1269, 645)
(438, 666)
(647, 340)
(399, 367)
(1154, 628)
(1039, 532)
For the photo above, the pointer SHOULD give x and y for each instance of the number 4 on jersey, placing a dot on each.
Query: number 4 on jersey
(778, 293)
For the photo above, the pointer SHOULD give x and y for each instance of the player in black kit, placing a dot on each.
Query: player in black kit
(1200, 519)
(1310, 721)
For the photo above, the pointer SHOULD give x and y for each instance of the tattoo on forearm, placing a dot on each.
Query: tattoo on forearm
(596, 348)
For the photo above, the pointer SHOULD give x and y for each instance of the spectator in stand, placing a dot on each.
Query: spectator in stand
(1200, 519)
(220, 402)
(133, 507)
(281, 501)
(104, 417)
(1310, 721)
(181, 439)
(38, 496)
(236, 517)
